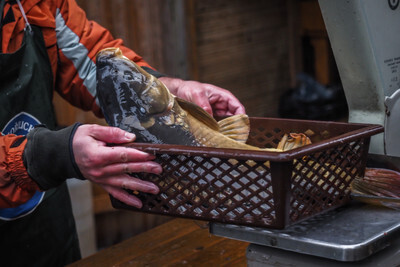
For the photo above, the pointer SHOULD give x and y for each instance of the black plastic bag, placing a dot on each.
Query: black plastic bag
(313, 101)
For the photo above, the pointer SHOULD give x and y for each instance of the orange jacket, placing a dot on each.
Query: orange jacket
(67, 33)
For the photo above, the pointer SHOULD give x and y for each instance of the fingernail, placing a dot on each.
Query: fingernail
(137, 203)
(129, 136)
(155, 189)
(156, 170)
(151, 157)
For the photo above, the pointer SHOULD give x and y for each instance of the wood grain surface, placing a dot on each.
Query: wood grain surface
(175, 243)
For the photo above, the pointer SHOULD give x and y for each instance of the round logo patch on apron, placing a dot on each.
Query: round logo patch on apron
(21, 124)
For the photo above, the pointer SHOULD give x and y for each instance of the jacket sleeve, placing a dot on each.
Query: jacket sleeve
(24, 163)
(78, 41)
(16, 187)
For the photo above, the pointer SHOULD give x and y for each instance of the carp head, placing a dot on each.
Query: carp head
(127, 94)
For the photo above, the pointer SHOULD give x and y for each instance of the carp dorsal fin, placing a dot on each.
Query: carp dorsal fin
(236, 127)
(198, 113)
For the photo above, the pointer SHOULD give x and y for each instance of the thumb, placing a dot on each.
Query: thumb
(111, 134)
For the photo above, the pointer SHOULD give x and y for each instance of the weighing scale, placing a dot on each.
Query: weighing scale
(365, 39)
(357, 234)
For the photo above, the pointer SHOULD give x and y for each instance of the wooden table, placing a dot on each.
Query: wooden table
(177, 242)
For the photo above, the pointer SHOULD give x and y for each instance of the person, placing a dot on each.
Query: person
(49, 46)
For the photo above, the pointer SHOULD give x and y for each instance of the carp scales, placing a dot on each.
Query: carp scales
(136, 101)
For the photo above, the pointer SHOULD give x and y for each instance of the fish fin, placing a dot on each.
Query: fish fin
(293, 140)
(198, 113)
(236, 127)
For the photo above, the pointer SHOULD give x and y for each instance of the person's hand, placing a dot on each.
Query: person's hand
(214, 100)
(109, 166)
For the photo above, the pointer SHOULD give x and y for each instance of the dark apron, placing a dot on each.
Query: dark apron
(42, 231)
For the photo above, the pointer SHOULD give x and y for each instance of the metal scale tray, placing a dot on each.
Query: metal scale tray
(349, 233)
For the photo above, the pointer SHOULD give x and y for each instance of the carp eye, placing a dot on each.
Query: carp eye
(115, 71)
(128, 76)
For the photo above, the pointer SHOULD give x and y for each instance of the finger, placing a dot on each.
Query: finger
(126, 181)
(124, 196)
(200, 99)
(124, 168)
(229, 105)
(207, 107)
(111, 134)
(222, 113)
(102, 156)
(236, 108)
(118, 154)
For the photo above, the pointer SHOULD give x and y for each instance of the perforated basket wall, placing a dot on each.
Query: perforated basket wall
(259, 188)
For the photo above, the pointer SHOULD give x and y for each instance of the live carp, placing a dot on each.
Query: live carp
(136, 101)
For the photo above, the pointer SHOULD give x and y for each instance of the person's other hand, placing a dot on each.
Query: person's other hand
(214, 100)
(109, 166)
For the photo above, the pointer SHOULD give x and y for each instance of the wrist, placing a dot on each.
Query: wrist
(48, 156)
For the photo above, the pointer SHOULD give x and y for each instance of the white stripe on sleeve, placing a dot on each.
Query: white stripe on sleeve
(69, 44)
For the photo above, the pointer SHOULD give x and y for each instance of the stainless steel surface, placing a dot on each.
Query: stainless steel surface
(366, 46)
(262, 256)
(350, 233)
(390, 202)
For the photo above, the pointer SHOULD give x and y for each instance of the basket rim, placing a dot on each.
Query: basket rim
(361, 130)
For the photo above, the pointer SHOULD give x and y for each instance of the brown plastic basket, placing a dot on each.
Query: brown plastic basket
(257, 188)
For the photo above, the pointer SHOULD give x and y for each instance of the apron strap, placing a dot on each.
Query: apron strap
(27, 25)
(2, 3)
